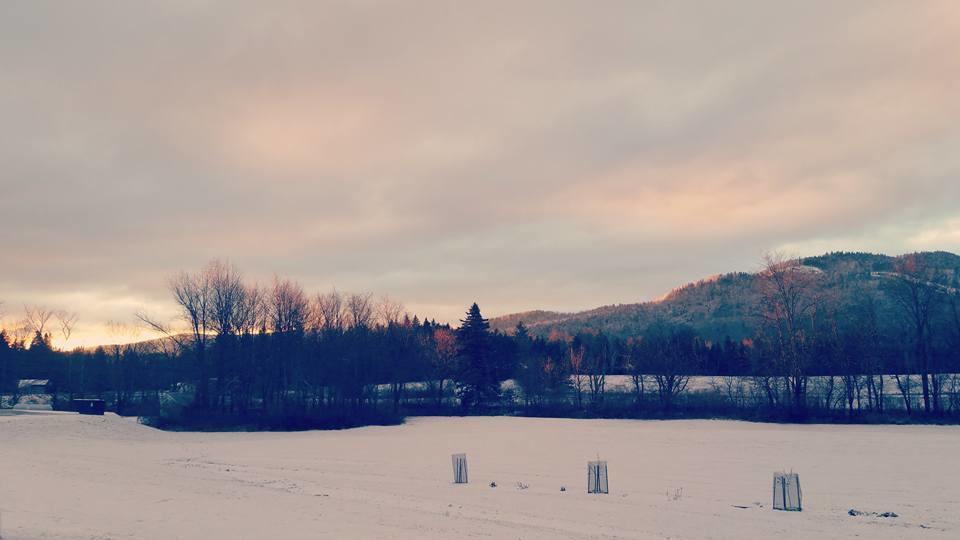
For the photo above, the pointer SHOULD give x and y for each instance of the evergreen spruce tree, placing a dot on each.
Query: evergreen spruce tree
(476, 379)
(521, 332)
(40, 343)
(529, 371)
(41, 358)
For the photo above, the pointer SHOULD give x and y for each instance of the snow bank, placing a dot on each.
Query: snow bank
(34, 402)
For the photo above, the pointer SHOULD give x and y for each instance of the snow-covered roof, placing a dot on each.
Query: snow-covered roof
(32, 382)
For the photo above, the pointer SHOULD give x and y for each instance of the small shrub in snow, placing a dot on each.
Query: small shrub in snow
(854, 512)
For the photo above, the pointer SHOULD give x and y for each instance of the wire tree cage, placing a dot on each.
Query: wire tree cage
(459, 468)
(786, 492)
(597, 477)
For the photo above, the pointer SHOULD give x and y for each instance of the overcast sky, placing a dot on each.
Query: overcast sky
(522, 154)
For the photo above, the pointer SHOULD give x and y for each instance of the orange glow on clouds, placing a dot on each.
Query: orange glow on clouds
(297, 132)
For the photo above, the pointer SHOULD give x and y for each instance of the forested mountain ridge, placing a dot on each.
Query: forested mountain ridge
(724, 305)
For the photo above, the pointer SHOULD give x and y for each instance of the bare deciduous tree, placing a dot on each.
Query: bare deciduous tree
(389, 311)
(20, 333)
(445, 357)
(670, 352)
(598, 363)
(227, 293)
(578, 369)
(67, 322)
(194, 294)
(289, 307)
(916, 296)
(636, 365)
(172, 342)
(121, 334)
(790, 295)
(360, 310)
(250, 316)
(227, 297)
(36, 318)
(329, 311)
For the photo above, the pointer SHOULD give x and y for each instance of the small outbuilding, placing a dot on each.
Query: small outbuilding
(33, 387)
(33, 395)
(89, 406)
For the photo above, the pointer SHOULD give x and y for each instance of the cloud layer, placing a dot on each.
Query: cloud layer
(538, 154)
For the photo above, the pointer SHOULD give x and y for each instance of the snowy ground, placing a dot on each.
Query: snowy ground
(68, 476)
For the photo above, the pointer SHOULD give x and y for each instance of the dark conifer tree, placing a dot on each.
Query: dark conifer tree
(521, 332)
(40, 343)
(530, 374)
(476, 379)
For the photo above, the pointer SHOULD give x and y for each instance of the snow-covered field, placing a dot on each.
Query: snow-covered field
(77, 477)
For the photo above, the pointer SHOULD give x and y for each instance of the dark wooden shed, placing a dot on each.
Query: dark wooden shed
(89, 406)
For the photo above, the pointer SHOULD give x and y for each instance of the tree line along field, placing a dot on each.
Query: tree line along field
(830, 399)
(823, 343)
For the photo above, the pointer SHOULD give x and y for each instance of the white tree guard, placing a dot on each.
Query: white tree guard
(597, 477)
(786, 492)
(459, 468)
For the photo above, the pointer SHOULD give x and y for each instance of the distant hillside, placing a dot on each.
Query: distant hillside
(537, 317)
(147, 345)
(722, 305)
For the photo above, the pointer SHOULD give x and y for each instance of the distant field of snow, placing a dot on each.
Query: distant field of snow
(64, 476)
(624, 383)
(742, 389)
